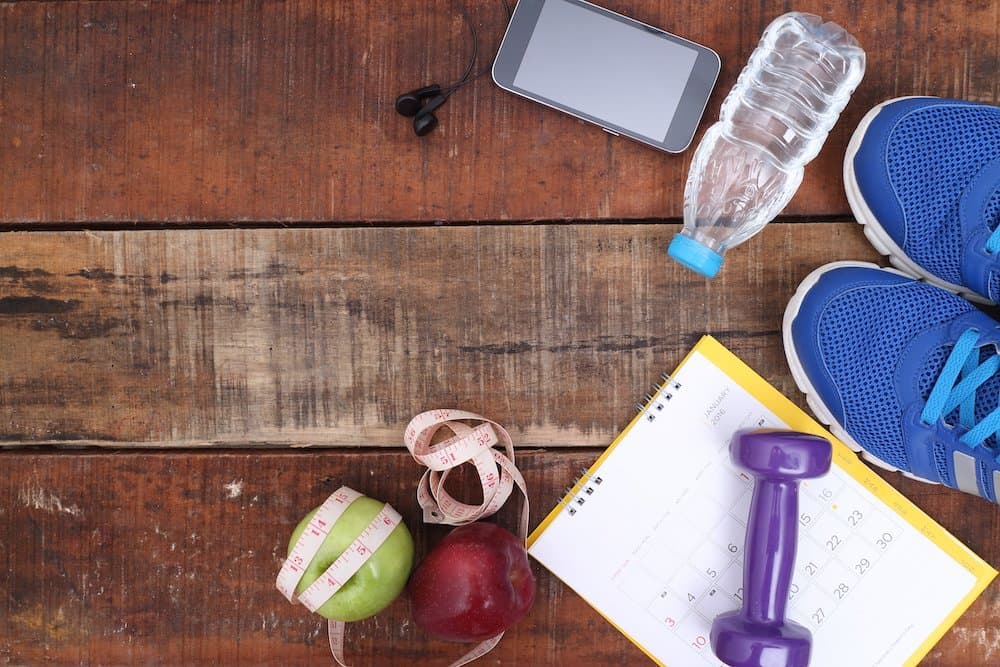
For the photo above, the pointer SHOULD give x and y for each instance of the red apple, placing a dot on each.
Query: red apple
(473, 585)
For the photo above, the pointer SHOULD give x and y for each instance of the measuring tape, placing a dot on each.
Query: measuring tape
(496, 469)
(474, 445)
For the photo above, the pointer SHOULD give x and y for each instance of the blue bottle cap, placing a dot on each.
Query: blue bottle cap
(695, 256)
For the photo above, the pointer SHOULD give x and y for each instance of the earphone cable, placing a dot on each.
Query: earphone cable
(467, 76)
(475, 51)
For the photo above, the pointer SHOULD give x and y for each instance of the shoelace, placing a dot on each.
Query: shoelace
(956, 387)
(993, 242)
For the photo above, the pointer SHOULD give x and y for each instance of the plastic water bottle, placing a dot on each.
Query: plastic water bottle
(773, 122)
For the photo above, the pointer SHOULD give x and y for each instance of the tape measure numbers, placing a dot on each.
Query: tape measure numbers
(475, 445)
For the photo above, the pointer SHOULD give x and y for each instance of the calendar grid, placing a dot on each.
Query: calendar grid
(834, 553)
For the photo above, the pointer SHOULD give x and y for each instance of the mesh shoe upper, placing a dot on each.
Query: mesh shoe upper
(872, 344)
(858, 366)
(919, 158)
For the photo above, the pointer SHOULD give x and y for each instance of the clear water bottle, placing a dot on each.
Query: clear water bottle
(774, 121)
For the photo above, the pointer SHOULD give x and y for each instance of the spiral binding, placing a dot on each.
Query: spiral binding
(657, 401)
(591, 482)
(654, 403)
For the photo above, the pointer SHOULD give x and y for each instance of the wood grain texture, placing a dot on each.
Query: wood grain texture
(170, 559)
(117, 112)
(114, 114)
(340, 336)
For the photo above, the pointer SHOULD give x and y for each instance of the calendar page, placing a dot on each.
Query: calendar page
(653, 535)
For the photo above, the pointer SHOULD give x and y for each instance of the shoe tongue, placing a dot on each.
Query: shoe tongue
(991, 212)
(987, 394)
(979, 203)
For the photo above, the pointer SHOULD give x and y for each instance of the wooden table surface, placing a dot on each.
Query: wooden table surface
(222, 245)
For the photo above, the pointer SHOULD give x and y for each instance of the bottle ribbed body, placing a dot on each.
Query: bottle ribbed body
(773, 122)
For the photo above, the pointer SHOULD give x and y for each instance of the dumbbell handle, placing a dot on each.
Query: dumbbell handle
(772, 536)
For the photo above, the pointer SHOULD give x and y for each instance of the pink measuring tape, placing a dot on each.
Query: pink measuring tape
(473, 444)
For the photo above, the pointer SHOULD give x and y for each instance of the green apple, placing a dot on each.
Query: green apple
(381, 578)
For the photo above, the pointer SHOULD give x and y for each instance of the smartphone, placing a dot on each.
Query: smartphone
(627, 77)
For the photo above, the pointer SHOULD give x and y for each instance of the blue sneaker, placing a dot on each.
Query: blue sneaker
(902, 371)
(922, 175)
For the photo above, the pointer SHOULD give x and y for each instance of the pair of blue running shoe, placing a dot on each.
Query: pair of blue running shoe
(900, 366)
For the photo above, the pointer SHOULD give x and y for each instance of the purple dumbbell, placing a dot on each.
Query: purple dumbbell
(759, 635)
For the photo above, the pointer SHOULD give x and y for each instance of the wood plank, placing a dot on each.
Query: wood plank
(340, 336)
(117, 112)
(122, 559)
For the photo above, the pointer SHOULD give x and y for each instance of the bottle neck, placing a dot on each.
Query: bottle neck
(710, 237)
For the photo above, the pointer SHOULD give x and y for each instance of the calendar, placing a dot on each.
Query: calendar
(663, 516)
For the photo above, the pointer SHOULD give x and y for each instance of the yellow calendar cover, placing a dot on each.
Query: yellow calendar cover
(663, 575)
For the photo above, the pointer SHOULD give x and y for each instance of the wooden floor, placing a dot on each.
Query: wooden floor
(221, 245)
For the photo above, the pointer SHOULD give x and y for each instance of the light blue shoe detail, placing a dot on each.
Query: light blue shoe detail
(956, 387)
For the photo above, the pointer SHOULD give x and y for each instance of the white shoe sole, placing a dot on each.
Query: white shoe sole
(876, 234)
(799, 375)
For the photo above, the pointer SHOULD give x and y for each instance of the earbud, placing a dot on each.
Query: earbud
(425, 120)
(421, 103)
(409, 104)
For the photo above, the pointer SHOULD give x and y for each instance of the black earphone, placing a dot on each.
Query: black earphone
(420, 104)
(408, 104)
